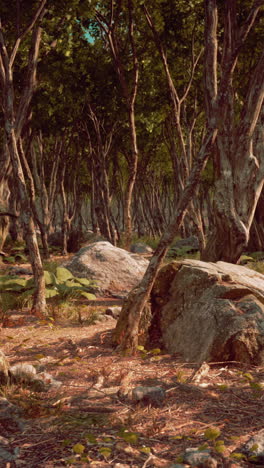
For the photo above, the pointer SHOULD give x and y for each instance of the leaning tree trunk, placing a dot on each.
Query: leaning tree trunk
(126, 332)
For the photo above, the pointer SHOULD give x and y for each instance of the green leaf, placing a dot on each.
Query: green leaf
(63, 274)
(14, 285)
(130, 437)
(248, 376)
(237, 456)
(146, 450)
(155, 351)
(78, 448)
(220, 446)
(51, 293)
(49, 278)
(140, 348)
(212, 433)
(84, 281)
(91, 438)
(105, 451)
(254, 448)
(89, 296)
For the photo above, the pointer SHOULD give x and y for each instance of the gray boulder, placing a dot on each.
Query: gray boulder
(115, 270)
(254, 448)
(141, 248)
(209, 312)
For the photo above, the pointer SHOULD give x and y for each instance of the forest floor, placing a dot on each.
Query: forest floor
(86, 421)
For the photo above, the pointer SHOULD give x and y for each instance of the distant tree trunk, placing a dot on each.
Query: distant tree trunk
(129, 88)
(46, 190)
(239, 161)
(99, 150)
(179, 133)
(68, 210)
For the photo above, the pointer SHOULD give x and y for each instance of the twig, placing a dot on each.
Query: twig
(151, 457)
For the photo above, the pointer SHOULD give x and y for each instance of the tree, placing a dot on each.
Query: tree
(15, 117)
(238, 161)
(129, 90)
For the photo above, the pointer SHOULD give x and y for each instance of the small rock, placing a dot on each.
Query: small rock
(148, 395)
(7, 453)
(20, 271)
(49, 380)
(113, 312)
(199, 458)
(23, 372)
(141, 248)
(255, 447)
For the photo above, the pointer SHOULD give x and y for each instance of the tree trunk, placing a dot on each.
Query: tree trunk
(15, 116)
(127, 337)
(39, 300)
(239, 162)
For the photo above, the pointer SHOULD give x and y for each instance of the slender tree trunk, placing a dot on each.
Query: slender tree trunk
(15, 117)
(39, 301)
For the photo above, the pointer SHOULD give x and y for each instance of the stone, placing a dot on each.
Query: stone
(49, 380)
(113, 269)
(184, 246)
(113, 312)
(199, 458)
(208, 312)
(7, 453)
(13, 271)
(149, 395)
(23, 372)
(140, 248)
(254, 448)
(4, 369)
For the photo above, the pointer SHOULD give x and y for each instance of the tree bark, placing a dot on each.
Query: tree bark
(129, 93)
(127, 337)
(239, 162)
(14, 120)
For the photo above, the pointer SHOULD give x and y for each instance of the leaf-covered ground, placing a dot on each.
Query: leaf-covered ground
(87, 421)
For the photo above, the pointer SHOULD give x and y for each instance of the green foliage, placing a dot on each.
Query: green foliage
(18, 292)
(257, 266)
(212, 433)
(153, 354)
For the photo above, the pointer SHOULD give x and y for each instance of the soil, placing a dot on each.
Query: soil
(89, 420)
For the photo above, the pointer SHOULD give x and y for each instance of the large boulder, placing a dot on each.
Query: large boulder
(209, 312)
(115, 270)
